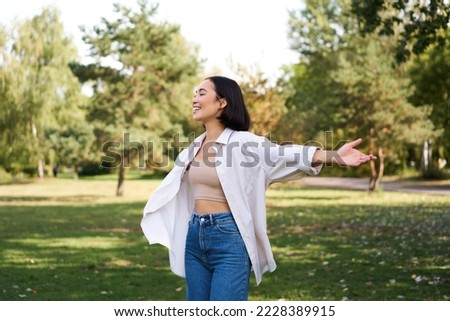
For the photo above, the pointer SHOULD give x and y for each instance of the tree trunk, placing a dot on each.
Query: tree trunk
(376, 175)
(121, 181)
(373, 176)
(373, 168)
(41, 168)
(426, 156)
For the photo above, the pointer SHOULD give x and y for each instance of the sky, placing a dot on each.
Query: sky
(248, 32)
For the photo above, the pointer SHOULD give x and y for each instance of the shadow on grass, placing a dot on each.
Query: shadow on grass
(324, 251)
(307, 197)
(359, 252)
(81, 253)
(69, 198)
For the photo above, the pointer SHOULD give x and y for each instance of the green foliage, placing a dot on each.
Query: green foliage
(5, 177)
(350, 86)
(375, 96)
(146, 61)
(429, 76)
(321, 28)
(312, 92)
(71, 145)
(37, 88)
(265, 101)
(318, 32)
(421, 23)
(139, 79)
(91, 168)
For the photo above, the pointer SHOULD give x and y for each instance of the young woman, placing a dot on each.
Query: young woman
(210, 210)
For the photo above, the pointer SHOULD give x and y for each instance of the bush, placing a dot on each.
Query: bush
(30, 171)
(5, 177)
(434, 173)
(90, 168)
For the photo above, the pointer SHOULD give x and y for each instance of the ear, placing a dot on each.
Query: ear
(223, 103)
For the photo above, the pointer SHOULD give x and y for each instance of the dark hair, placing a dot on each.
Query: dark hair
(235, 115)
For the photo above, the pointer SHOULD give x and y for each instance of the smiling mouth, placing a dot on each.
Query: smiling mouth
(196, 108)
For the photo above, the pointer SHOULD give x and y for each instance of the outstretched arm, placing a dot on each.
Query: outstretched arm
(347, 155)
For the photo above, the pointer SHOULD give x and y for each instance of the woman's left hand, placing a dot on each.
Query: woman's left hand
(348, 155)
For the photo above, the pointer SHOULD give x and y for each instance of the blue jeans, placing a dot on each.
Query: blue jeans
(216, 260)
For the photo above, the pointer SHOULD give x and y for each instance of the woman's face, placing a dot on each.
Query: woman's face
(206, 106)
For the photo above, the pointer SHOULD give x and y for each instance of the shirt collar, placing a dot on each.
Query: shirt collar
(225, 136)
(222, 139)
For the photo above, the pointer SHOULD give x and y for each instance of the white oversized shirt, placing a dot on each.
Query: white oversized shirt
(246, 165)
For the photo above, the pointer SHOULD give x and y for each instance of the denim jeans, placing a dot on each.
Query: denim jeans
(216, 260)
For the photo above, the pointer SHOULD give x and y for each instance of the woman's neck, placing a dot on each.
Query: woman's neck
(213, 131)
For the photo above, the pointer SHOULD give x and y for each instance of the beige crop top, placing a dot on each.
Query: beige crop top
(205, 182)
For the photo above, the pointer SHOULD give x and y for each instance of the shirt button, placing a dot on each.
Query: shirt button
(202, 219)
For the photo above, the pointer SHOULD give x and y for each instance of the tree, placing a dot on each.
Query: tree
(317, 32)
(38, 90)
(265, 102)
(136, 94)
(422, 23)
(321, 28)
(429, 77)
(350, 86)
(71, 146)
(375, 104)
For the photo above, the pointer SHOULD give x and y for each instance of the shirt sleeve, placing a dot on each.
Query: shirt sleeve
(287, 162)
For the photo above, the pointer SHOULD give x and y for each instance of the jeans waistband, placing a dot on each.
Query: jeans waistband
(211, 218)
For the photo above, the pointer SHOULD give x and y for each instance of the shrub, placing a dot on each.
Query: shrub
(90, 168)
(5, 177)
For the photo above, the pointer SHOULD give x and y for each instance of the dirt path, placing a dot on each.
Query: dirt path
(414, 186)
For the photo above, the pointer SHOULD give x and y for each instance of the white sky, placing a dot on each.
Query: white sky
(250, 32)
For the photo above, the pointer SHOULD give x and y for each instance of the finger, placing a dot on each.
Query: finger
(355, 142)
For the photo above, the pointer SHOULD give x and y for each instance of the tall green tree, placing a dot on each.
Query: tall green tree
(349, 85)
(375, 104)
(429, 73)
(140, 75)
(317, 33)
(38, 90)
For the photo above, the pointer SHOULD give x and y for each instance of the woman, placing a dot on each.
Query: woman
(210, 209)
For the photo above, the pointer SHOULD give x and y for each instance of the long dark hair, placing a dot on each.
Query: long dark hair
(235, 115)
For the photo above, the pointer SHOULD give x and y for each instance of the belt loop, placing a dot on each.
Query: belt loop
(195, 217)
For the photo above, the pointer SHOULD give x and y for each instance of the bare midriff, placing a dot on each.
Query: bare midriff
(210, 207)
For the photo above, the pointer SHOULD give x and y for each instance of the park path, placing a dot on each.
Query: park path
(414, 186)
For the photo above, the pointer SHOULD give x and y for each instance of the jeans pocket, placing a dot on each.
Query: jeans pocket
(228, 227)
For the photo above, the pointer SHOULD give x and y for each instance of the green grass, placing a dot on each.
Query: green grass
(63, 239)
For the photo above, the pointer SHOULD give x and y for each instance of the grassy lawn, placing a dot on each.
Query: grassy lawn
(65, 239)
